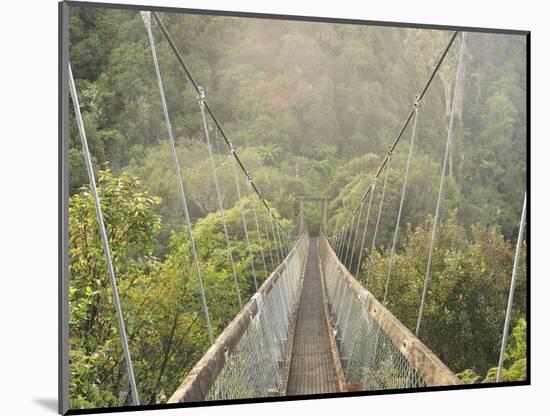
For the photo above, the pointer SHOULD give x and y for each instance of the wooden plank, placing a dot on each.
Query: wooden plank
(312, 369)
(291, 332)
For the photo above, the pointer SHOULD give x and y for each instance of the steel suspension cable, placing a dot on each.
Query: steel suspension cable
(441, 186)
(284, 242)
(237, 186)
(206, 107)
(419, 98)
(104, 239)
(373, 246)
(202, 100)
(253, 204)
(147, 21)
(281, 243)
(336, 241)
(289, 240)
(216, 141)
(401, 203)
(344, 238)
(356, 234)
(364, 239)
(344, 241)
(336, 234)
(512, 289)
(277, 249)
(349, 240)
(268, 238)
(270, 241)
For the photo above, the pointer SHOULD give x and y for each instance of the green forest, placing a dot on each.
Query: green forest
(311, 109)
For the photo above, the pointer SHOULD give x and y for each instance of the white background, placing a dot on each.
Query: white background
(28, 205)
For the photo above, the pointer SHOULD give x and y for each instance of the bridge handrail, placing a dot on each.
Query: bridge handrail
(201, 378)
(433, 371)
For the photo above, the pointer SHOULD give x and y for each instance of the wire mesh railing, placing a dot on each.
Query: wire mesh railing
(246, 360)
(376, 350)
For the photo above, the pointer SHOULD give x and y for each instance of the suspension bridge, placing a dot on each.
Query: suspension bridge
(310, 327)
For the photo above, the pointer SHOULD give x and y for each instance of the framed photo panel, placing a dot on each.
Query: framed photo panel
(264, 207)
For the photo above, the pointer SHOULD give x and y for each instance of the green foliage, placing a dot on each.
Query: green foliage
(422, 187)
(95, 355)
(466, 295)
(469, 376)
(312, 109)
(308, 98)
(515, 360)
(160, 300)
(515, 357)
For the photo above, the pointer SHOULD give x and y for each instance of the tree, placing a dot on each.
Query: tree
(515, 362)
(312, 109)
(467, 292)
(97, 365)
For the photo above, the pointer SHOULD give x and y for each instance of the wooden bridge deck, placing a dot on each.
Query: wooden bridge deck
(311, 365)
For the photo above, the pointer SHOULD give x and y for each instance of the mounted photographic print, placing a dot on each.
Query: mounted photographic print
(264, 207)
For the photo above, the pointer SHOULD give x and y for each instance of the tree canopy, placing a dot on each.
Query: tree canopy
(311, 108)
